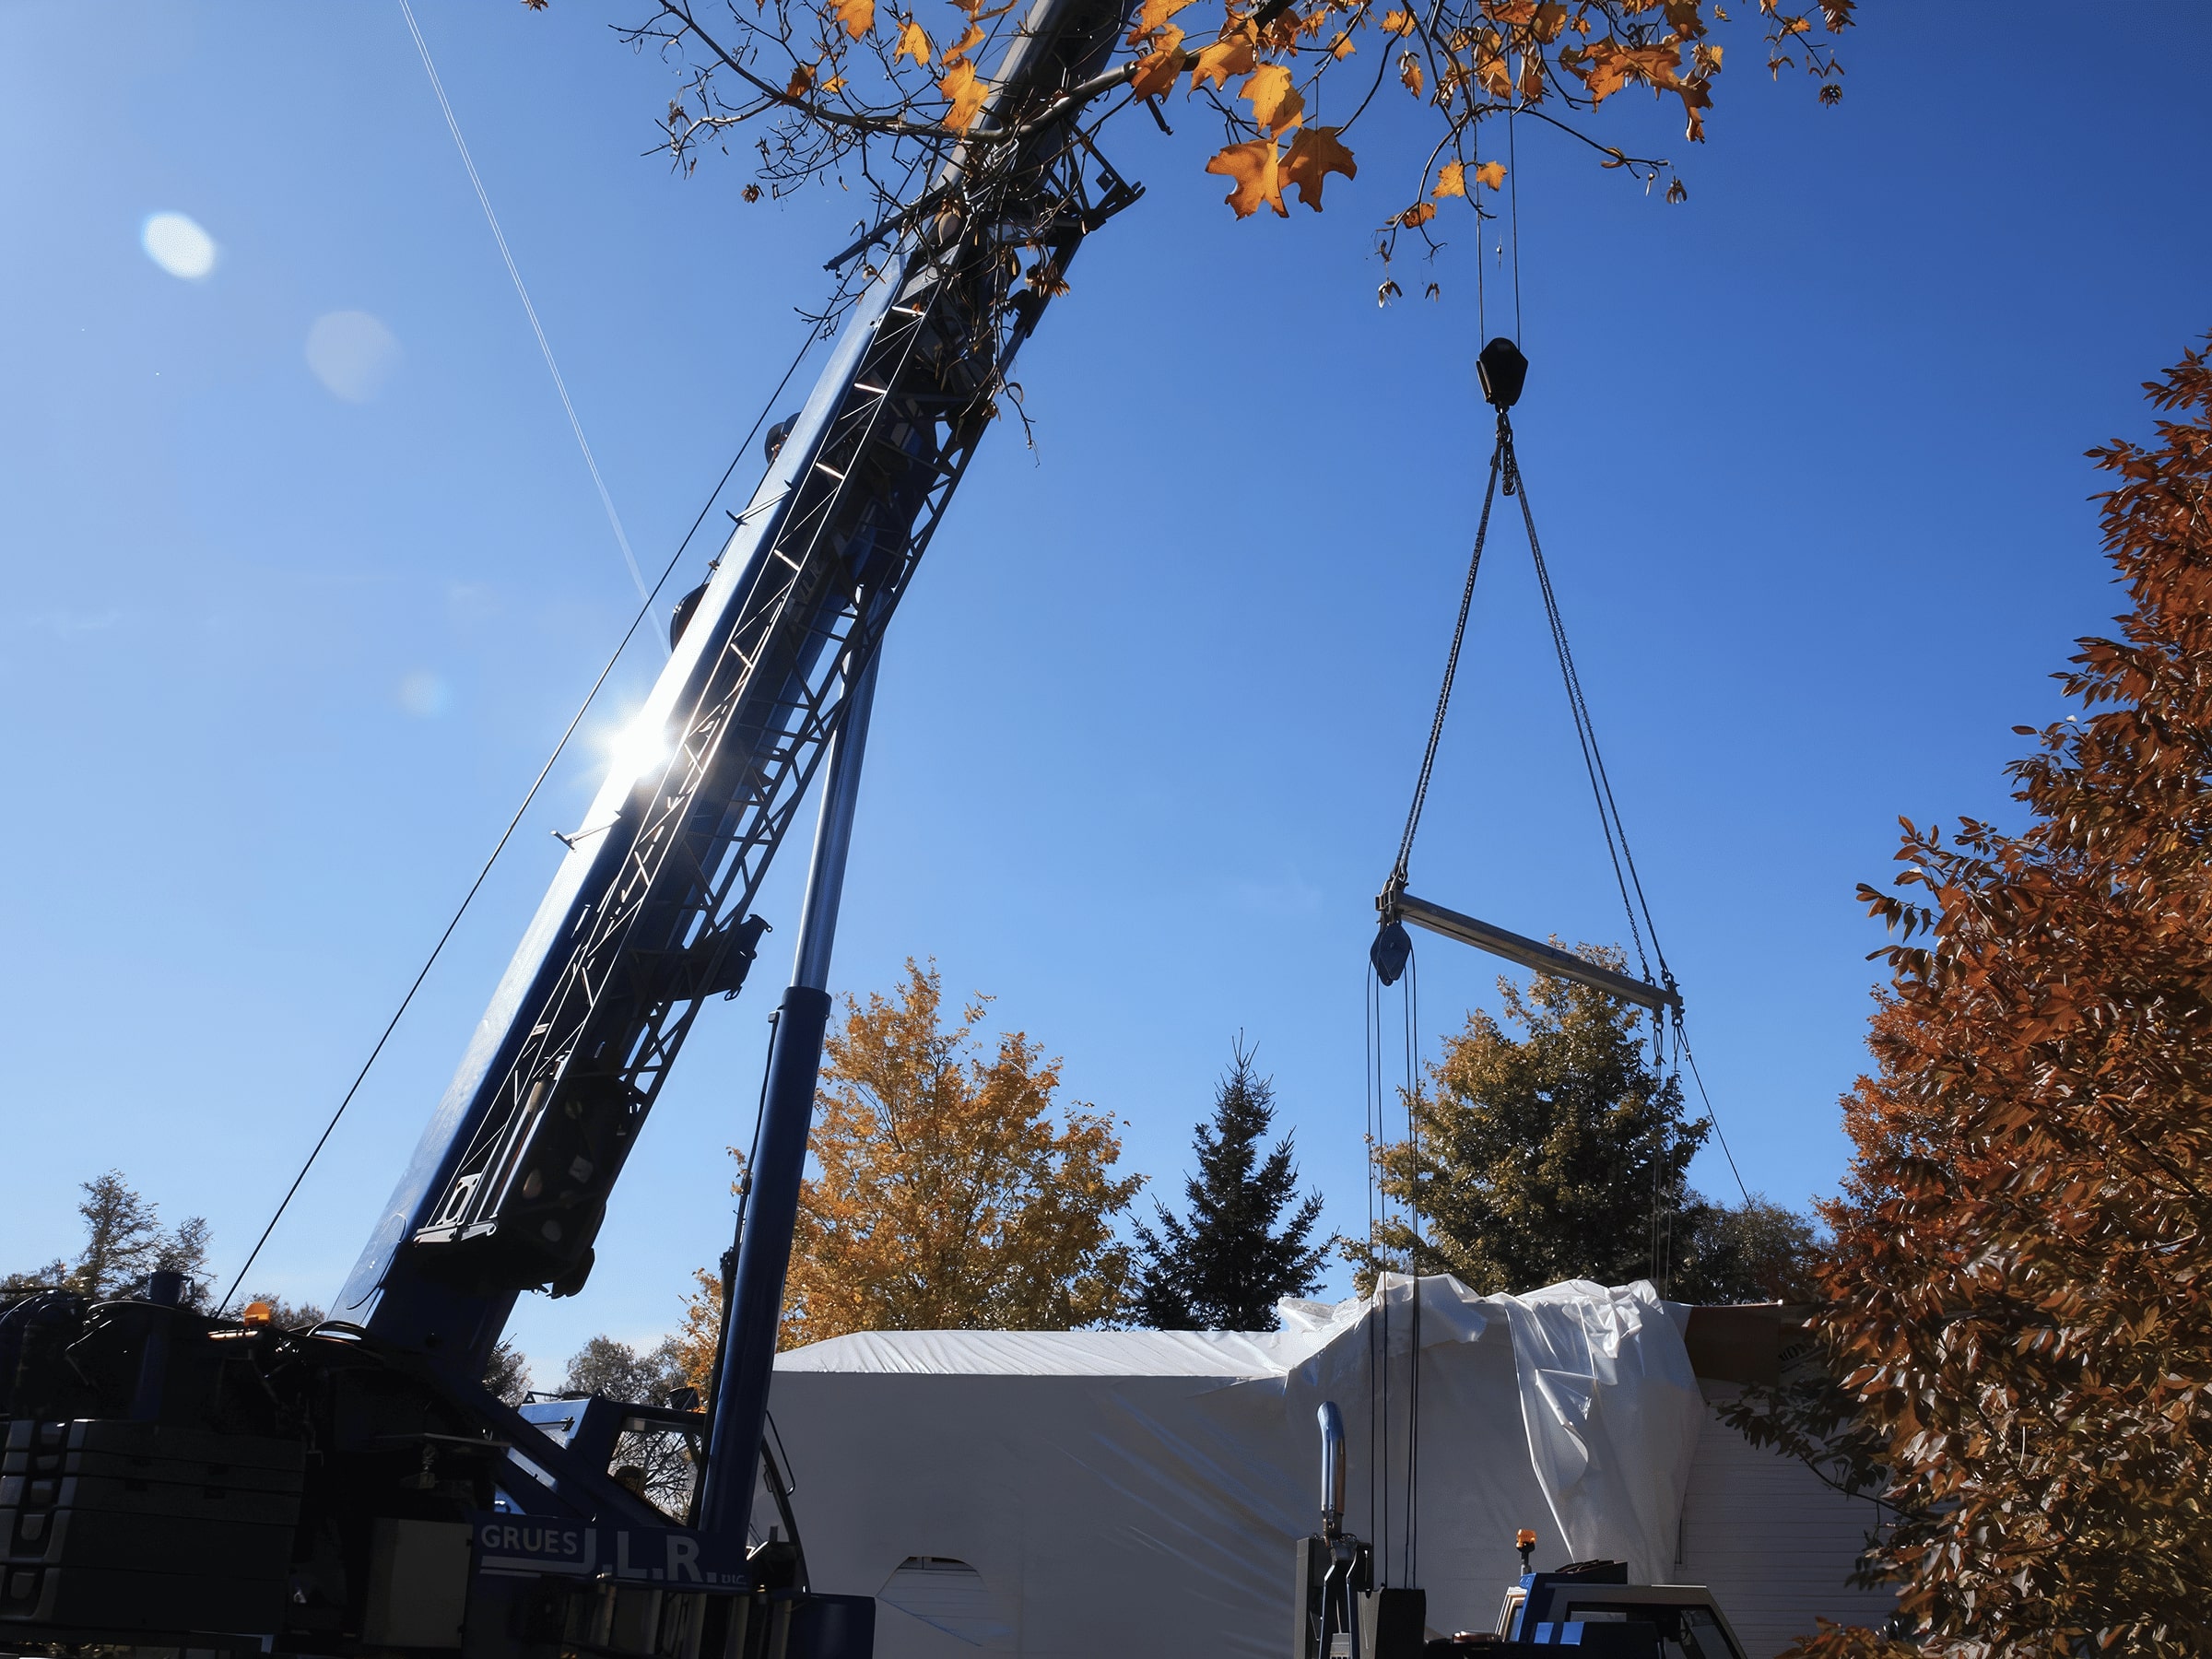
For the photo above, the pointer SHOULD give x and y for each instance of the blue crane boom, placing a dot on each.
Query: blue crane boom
(650, 912)
(355, 1488)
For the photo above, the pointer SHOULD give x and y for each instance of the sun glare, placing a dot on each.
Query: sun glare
(178, 245)
(639, 746)
(352, 354)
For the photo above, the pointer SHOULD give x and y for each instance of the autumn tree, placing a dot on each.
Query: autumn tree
(952, 1191)
(125, 1241)
(1223, 1264)
(661, 1466)
(2016, 1290)
(1538, 1158)
(1755, 1251)
(507, 1372)
(876, 96)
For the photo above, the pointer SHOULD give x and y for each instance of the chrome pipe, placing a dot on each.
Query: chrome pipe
(1332, 1468)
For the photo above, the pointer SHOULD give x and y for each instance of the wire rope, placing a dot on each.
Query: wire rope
(644, 612)
(545, 347)
(1513, 201)
(1413, 1272)
(1443, 696)
(1601, 785)
(1686, 1053)
(1372, 1088)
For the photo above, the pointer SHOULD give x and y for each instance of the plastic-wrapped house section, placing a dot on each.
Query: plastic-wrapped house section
(1118, 1492)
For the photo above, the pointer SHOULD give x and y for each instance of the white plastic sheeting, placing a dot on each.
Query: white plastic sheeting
(1095, 1492)
(1612, 1409)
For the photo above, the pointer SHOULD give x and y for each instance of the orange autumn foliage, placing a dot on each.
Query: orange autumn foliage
(951, 1190)
(2019, 1293)
(834, 86)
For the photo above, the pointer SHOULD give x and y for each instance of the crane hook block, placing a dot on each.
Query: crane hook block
(1504, 370)
(1388, 951)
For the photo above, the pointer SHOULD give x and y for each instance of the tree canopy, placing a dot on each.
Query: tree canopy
(2016, 1290)
(1755, 1251)
(660, 1465)
(875, 95)
(951, 1188)
(125, 1241)
(1223, 1266)
(1538, 1158)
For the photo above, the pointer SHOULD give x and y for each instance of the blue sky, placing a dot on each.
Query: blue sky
(277, 663)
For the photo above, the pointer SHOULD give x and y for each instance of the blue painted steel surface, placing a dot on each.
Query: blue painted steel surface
(755, 1309)
(383, 1294)
(647, 915)
(763, 1254)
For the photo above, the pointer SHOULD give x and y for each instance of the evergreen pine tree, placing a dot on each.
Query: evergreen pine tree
(1541, 1158)
(1223, 1265)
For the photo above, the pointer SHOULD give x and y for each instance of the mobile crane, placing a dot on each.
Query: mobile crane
(175, 1479)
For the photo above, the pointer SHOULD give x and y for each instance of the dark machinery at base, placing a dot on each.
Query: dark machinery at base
(176, 1480)
(186, 1481)
(1339, 1612)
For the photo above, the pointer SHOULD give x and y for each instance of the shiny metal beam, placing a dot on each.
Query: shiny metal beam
(1533, 953)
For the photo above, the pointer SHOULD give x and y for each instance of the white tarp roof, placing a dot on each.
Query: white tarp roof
(1119, 1491)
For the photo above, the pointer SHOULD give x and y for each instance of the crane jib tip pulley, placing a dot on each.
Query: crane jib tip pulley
(1503, 371)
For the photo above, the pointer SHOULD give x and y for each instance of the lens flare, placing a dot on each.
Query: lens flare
(176, 243)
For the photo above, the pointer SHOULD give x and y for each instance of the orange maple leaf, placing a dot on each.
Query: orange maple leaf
(1275, 105)
(913, 41)
(1341, 47)
(1409, 71)
(1419, 214)
(1154, 18)
(1254, 166)
(1221, 60)
(1399, 23)
(1695, 100)
(1451, 182)
(1155, 72)
(1490, 68)
(857, 15)
(1490, 174)
(964, 94)
(960, 48)
(802, 81)
(1312, 155)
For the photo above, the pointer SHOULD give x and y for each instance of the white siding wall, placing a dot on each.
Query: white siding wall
(1774, 1544)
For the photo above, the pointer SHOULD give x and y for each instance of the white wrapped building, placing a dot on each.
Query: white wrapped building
(1071, 1495)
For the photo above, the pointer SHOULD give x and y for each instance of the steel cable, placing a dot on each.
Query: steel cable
(644, 610)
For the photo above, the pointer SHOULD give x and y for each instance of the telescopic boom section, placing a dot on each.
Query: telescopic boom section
(652, 912)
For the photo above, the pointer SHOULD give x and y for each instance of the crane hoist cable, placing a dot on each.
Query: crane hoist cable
(1504, 371)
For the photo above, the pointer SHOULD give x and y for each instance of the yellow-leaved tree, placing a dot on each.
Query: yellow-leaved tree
(877, 95)
(950, 1190)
